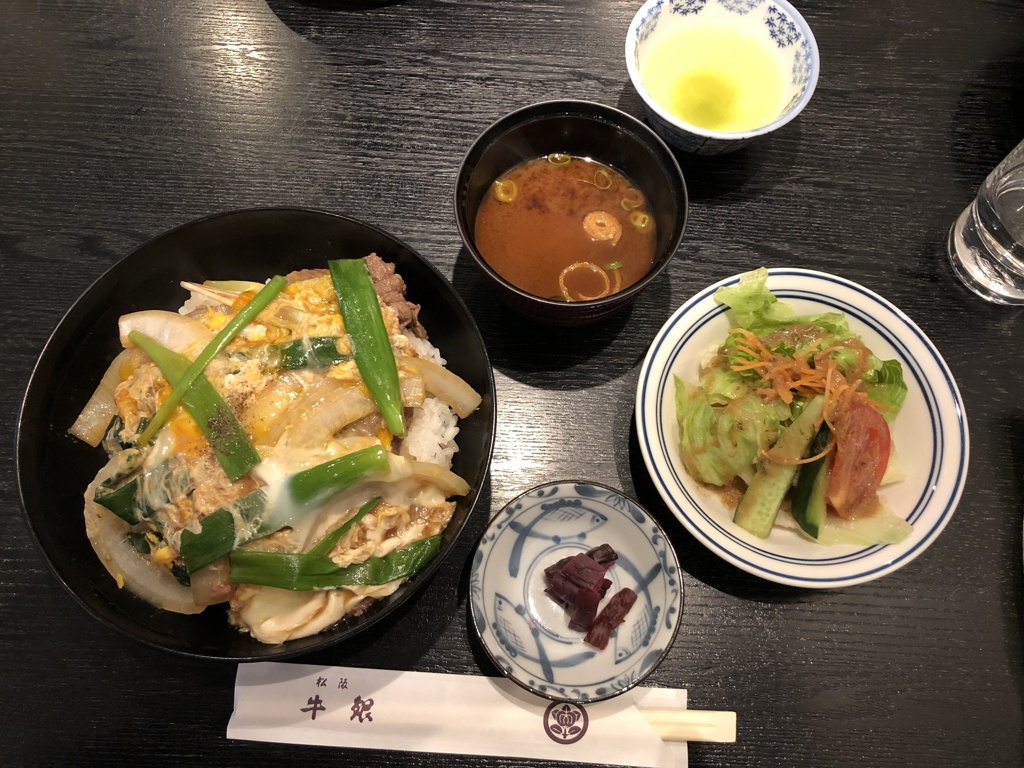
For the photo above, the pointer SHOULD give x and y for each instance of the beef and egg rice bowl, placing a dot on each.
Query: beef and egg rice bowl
(284, 448)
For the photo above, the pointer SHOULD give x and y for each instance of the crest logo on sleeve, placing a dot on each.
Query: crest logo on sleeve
(565, 723)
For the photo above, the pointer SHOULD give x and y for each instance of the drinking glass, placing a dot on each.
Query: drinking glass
(986, 242)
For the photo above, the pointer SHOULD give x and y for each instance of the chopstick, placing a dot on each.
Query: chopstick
(691, 724)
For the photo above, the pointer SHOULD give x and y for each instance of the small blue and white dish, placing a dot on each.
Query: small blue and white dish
(526, 633)
(774, 24)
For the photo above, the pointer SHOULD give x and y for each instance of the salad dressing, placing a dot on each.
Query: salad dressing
(777, 380)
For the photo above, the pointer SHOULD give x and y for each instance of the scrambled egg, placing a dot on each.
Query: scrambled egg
(295, 419)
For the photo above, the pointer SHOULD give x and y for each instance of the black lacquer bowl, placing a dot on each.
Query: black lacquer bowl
(54, 468)
(585, 129)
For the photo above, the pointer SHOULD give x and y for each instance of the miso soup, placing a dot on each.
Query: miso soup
(566, 227)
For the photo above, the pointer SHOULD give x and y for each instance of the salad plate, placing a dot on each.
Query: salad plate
(54, 468)
(526, 632)
(929, 434)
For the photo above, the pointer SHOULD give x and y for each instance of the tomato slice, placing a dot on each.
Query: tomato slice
(861, 456)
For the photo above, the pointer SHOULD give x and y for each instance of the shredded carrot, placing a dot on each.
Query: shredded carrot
(805, 373)
(768, 454)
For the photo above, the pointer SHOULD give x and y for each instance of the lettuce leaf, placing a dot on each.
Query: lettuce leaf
(883, 527)
(719, 444)
(886, 387)
(757, 310)
(753, 305)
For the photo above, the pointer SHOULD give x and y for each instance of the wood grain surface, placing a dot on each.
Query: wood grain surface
(120, 120)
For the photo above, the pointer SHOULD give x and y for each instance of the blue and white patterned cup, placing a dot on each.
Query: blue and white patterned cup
(785, 33)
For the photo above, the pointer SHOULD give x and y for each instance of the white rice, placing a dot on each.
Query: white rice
(431, 434)
(425, 349)
(432, 429)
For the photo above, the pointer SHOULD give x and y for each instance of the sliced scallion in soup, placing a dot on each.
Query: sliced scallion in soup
(574, 229)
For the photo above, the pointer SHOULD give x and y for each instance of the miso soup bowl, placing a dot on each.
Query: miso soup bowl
(776, 23)
(584, 129)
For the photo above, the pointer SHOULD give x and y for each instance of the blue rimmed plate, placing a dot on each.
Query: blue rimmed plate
(929, 434)
(526, 633)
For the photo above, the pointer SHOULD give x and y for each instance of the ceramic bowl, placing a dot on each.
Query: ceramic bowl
(526, 633)
(776, 23)
(929, 435)
(54, 468)
(584, 129)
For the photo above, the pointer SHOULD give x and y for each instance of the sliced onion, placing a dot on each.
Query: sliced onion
(92, 422)
(233, 286)
(174, 331)
(301, 408)
(330, 414)
(278, 615)
(444, 385)
(108, 535)
(447, 481)
(212, 584)
(413, 391)
(212, 296)
(267, 405)
(450, 483)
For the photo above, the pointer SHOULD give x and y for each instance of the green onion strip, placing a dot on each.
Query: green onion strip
(217, 422)
(309, 352)
(371, 347)
(234, 326)
(252, 517)
(306, 572)
(328, 542)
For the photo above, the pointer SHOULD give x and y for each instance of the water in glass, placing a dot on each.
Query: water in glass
(986, 242)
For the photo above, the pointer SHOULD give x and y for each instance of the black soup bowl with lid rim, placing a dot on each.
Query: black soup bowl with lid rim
(584, 129)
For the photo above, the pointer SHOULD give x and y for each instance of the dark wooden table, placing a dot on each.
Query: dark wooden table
(119, 120)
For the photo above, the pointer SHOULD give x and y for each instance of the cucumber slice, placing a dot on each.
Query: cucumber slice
(759, 506)
(809, 507)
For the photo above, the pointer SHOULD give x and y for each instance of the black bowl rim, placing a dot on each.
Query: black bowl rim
(590, 110)
(327, 640)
